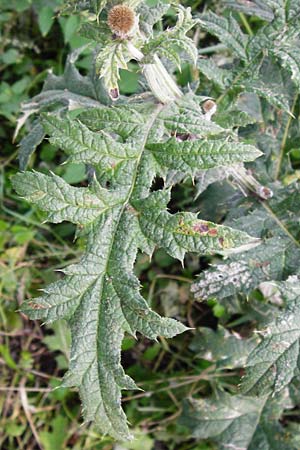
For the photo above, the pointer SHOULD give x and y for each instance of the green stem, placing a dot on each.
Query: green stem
(285, 137)
(211, 49)
(237, 78)
(279, 223)
(246, 24)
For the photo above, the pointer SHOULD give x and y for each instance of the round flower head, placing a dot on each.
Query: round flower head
(121, 19)
(209, 107)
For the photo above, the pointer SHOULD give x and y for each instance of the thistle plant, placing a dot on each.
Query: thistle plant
(125, 142)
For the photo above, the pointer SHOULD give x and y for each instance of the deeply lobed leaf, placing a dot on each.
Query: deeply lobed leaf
(99, 295)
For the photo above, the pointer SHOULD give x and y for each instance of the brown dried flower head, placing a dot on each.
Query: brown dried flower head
(208, 105)
(121, 19)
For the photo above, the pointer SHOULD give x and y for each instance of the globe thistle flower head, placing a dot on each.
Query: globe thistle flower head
(121, 20)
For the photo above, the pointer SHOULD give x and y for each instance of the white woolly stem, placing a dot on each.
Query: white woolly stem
(247, 182)
(134, 52)
(160, 82)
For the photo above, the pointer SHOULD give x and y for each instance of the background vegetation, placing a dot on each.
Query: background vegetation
(34, 39)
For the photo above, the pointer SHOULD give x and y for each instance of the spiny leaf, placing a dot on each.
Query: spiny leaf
(190, 156)
(63, 202)
(99, 295)
(227, 30)
(182, 116)
(231, 419)
(233, 118)
(29, 143)
(270, 91)
(184, 232)
(206, 177)
(274, 362)
(110, 60)
(85, 146)
(149, 16)
(275, 259)
(221, 77)
(289, 56)
(253, 72)
(227, 350)
(278, 6)
(95, 32)
(186, 116)
(176, 39)
(65, 92)
(72, 87)
(237, 422)
(124, 120)
(257, 8)
(293, 9)
(170, 48)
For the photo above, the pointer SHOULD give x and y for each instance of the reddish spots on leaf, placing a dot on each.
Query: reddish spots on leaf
(203, 228)
(262, 264)
(200, 228)
(131, 209)
(183, 136)
(221, 241)
(34, 305)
